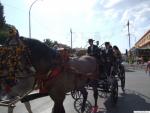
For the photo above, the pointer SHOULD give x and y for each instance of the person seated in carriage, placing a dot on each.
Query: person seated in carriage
(93, 50)
(118, 58)
(98, 53)
(109, 58)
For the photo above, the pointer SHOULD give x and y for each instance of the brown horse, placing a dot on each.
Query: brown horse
(72, 75)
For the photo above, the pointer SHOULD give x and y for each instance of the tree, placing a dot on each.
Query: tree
(4, 33)
(2, 18)
(49, 42)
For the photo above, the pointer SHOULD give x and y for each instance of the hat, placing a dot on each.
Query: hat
(90, 40)
(107, 43)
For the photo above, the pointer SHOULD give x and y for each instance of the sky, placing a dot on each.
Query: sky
(101, 20)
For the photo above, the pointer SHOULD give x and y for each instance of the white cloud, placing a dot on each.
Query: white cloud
(109, 18)
(54, 18)
(111, 3)
(139, 19)
(111, 13)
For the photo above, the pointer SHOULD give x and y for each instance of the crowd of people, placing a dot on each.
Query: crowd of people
(112, 55)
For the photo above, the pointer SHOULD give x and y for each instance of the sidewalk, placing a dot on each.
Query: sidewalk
(135, 67)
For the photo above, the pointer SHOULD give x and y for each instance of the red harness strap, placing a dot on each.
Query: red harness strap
(42, 81)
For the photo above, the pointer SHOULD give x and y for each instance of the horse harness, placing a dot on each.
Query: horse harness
(14, 60)
(59, 65)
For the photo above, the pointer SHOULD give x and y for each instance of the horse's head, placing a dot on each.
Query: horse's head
(17, 61)
(41, 56)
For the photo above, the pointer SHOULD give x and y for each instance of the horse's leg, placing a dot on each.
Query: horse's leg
(84, 93)
(58, 103)
(95, 95)
(28, 107)
(94, 85)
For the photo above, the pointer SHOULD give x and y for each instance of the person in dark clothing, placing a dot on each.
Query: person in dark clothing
(109, 58)
(117, 58)
(117, 55)
(92, 49)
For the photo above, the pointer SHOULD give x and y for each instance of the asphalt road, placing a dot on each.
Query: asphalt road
(135, 98)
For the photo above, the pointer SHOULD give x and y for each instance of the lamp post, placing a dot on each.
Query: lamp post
(30, 17)
(128, 24)
(71, 37)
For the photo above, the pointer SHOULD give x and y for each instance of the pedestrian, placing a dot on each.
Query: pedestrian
(148, 68)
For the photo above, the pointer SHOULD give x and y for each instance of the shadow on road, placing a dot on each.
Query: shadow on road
(127, 103)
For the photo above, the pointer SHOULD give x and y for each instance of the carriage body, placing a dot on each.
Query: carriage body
(106, 85)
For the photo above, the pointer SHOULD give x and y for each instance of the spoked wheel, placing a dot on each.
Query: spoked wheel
(76, 94)
(114, 92)
(78, 106)
(105, 87)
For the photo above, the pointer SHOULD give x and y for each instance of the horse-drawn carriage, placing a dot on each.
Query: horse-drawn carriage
(54, 76)
(105, 85)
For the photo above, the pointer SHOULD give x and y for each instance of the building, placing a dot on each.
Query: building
(142, 47)
(144, 42)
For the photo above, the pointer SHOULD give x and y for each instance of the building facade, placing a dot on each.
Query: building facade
(144, 42)
(142, 47)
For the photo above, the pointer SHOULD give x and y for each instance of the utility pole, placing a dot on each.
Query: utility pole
(71, 37)
(30, 17)
(128, 24)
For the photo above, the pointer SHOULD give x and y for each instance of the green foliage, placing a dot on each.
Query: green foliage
(49, 42)
(2, 18)
(3, 37)
(4, 33)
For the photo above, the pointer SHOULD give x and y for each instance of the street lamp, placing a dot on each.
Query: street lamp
(30, 17)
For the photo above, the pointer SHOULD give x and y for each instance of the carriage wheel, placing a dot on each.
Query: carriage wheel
(76, 94)
(78, 106)
(114, 92)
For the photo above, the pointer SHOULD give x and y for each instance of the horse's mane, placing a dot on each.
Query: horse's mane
(37, 45)
(40, 52)
(34, 43)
